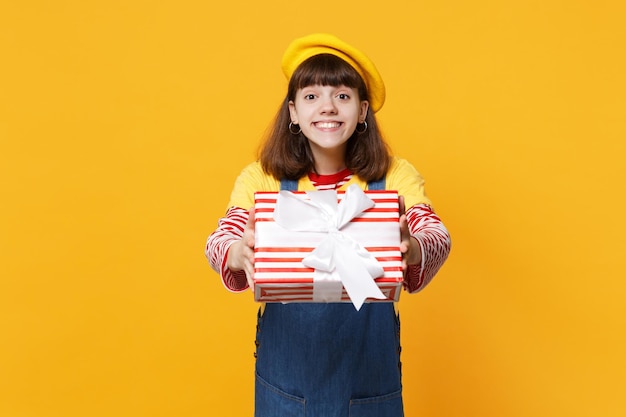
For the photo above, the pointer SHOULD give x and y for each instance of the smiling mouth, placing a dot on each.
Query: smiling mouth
(327, 125)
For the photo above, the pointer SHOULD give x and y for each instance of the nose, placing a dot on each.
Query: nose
(328, 106)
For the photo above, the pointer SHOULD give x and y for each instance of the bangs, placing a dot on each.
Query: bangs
(326, 70)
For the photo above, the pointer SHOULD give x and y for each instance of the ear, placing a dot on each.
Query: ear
(292, 112)
(365, 105)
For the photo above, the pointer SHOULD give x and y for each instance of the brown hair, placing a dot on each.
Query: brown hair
(285, 155)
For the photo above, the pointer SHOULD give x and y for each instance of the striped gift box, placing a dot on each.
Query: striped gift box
(280, 275)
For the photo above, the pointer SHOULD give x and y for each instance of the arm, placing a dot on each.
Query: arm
(229, 249)
(425, 245)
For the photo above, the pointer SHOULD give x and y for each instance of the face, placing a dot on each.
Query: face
(327, 115)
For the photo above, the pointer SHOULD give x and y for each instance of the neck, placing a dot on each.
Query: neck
(328, 162)
(329, 167)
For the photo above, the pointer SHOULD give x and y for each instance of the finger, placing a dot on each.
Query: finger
(249, 229)
(250, 222)
(250, 281)
(402, 206)
(249, 250)
(405, 234)
(249, 270)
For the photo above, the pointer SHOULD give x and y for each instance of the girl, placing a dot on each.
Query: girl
(328, 359)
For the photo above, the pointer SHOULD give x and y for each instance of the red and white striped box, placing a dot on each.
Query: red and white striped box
(279, 273)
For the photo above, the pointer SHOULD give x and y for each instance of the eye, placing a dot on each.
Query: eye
(309, 96)
(343, 96)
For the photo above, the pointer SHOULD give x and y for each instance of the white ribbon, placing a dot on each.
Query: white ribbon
(338, 259)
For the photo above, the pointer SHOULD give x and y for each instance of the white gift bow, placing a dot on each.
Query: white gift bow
(338, 258)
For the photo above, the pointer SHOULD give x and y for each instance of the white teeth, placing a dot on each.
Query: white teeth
(327, 125)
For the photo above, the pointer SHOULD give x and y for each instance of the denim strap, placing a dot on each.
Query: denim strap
(292, 185)
(288, 185)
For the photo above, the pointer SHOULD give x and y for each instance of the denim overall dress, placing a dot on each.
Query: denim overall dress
(327, 359)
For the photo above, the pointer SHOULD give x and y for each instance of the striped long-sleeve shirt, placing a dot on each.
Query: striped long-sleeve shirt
(424, 225)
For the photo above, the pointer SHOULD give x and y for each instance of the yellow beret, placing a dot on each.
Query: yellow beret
(322, 43)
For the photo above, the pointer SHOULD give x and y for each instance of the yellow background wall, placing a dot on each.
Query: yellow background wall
(123, 125)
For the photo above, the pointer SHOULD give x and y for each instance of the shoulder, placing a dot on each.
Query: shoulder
(251, 179)
(407, 180)
(254, 175)
(252, 170)
(401, 168)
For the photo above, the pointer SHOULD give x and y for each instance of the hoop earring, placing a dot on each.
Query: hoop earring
(291, 129)
(364, 129)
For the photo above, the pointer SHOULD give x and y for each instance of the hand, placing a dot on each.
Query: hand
(409, 246)
(240, 256)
